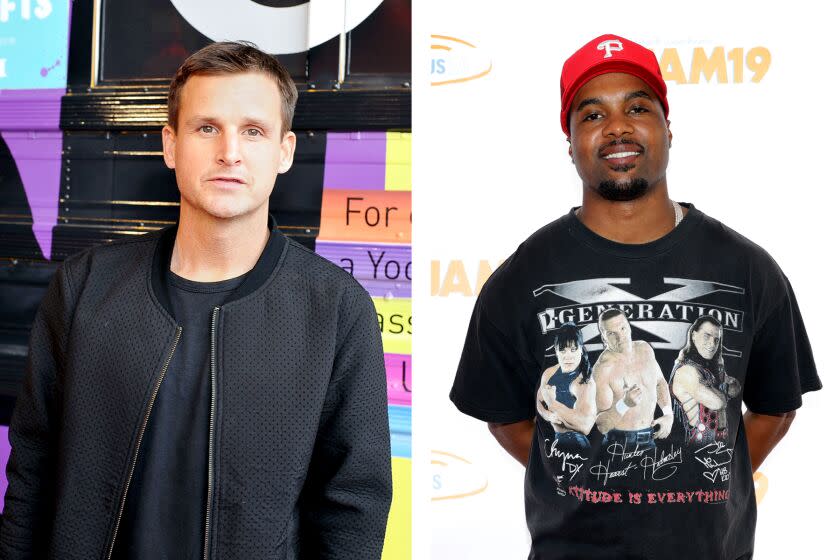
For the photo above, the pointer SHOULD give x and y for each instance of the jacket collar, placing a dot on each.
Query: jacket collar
(274, 250)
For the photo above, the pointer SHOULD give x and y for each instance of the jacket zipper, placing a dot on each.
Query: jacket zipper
(140, 440)
(212, 432)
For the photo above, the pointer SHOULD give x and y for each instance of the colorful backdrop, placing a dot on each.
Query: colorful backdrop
(366, 230)
(82, 101)
(491, 167)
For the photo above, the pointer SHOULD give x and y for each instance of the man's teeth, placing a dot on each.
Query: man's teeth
(621, 155)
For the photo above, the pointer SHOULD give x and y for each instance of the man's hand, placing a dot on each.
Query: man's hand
(731, 386)
(662, 426)
(632, 395)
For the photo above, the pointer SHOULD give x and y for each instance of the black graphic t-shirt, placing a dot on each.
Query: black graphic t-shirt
(635, 360)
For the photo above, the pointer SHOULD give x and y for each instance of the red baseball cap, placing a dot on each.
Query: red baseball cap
(603, 55)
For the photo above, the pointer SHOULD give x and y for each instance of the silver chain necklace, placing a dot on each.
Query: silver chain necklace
(678, 215)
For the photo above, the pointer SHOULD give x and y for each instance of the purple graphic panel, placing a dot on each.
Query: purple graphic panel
(5, 449)
(384, 270)
(29, 125)
(355, 160)
(38, 159)
(30, 109)
(398, 373)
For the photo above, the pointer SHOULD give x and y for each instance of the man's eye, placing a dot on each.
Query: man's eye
(253, 132)
(206, 129)
(591, 117)
(638, 109)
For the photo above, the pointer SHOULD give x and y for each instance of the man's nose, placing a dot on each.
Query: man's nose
(617, 124)
(230, 149)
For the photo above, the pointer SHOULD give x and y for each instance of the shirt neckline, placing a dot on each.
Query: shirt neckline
(204, 287)
(636, 250)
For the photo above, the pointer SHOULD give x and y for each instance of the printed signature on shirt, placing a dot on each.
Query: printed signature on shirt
(603, 473)
(715, 457)
(663, 468)
(618, 451)
(569, 462)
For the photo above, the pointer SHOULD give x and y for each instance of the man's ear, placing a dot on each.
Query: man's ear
(670, 136)
(168, 138)
(287, 156)
(570, 149)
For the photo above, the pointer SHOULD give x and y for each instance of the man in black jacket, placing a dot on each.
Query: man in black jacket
(213, 390)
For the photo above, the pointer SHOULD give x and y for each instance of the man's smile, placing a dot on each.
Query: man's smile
(621, 153)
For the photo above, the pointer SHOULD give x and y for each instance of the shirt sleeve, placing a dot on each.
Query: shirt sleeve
(347, 495)
(491, 383)
(29, 504)
(781, 365)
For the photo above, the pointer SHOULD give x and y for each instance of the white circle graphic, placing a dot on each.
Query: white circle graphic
(275, 30)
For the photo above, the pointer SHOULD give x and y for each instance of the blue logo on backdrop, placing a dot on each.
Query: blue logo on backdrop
(33, 43)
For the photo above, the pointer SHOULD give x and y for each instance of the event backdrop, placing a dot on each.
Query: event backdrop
(366, 230)
(81, 161)
(491, 167)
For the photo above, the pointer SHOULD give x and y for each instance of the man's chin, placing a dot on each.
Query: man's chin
(225, 211)
(622, 191)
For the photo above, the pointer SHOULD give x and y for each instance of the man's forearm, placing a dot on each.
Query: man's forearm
(710, 397)
(764, 432)
(515, 438)
(663, 396)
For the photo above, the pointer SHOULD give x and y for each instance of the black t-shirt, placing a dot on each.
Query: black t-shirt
(609, 346)
(164, 512)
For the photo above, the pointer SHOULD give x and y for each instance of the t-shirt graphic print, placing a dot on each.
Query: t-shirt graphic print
(645, 424)
(634, 361)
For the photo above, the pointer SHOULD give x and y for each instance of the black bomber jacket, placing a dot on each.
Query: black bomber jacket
(300, 447)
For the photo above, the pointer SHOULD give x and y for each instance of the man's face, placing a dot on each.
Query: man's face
(706, 339)
(615, 332)
(229, 146)
(619, 136)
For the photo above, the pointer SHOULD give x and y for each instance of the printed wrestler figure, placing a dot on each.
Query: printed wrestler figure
(700, 385)
(629, 384)
(566, 397)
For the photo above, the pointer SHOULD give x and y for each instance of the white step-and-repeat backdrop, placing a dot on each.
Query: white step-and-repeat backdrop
(753, 90)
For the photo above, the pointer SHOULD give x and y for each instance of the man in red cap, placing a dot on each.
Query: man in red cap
(633, 270)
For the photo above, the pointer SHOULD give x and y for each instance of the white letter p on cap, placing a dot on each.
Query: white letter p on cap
(609, 46)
